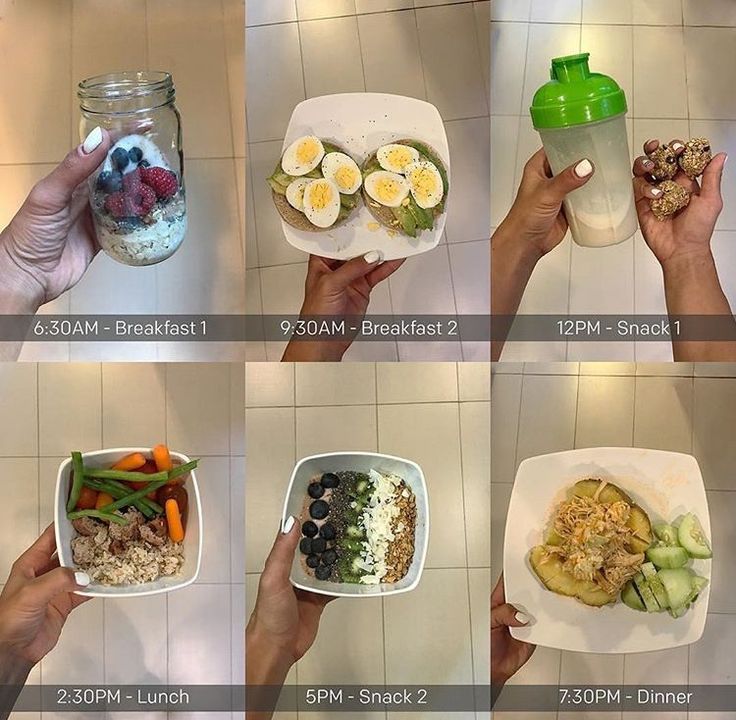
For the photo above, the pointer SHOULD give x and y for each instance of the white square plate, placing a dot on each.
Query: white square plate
(361, 123)
(666, 484)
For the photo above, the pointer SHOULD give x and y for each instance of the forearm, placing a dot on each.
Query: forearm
(692, 288)
(512, 264)
(266, 666)
(313, 351)
(13, 676)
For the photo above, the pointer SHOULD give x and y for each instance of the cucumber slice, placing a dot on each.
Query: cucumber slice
(666, 533)
(699, 583)
(631, 597)
(642, 586)
(650, 573)
(678, 584)
(667, 556)
(690, 535)
(679, 612)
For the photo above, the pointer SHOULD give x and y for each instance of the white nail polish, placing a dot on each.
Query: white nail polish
(583, 168)
(656, 192)
(520, 617)
(93, 141)
(678, 146)
(373, 257)
(81, 578)
(288, 524)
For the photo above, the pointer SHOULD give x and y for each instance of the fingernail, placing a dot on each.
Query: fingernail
(93, 141)
(656, 192)
(288, 524)
(648, 163)
(82, 579)
(372, 257)
(520, 617)
(649, 142)
(677, 146)
(583, 168)
(725, 160)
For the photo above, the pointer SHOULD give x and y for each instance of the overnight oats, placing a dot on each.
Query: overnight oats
(358, 528)
(137, 196)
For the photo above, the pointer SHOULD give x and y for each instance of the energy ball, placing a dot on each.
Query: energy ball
(665, 163)
(674, 197)
(695, 157)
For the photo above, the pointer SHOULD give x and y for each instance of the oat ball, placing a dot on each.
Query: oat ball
(674, 197)
(665, 163)
(695, 157)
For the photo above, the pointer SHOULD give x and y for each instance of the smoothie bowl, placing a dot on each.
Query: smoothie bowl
(131, 518)
(364, 520)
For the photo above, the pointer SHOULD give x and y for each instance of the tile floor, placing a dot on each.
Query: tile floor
(292, 412)
(436, 50)
(57, 43)
(194, 635)
(674, 60)
(542, 408)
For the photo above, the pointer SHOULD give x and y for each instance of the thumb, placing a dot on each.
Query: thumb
(356, 268)
(278, 563)
(43, 589)
(712, 176)
(55, 191)
(507, 615)
(571, 178)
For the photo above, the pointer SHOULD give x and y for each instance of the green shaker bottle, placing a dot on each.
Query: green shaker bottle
(580, 114)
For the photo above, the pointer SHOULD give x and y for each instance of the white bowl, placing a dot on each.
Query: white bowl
(309, 467)
(666, 484)
(192, 541)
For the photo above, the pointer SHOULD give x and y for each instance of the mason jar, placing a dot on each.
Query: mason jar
(137, 195)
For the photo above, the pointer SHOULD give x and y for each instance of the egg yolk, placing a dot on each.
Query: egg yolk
(399, 157)
(424, 183)
(345, 177)
(387, 189)
(320, 196)
(307, 152)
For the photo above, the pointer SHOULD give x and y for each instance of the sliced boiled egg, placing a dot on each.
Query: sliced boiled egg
(303, 156)
(343, 171)
(395, 158)
(322, 202)
(387, 188)
(295, 193)
(425, 182)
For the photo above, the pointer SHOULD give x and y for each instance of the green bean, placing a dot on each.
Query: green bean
(77, 480)
(119, 492)
(175, 472)
(99, 514)
(125, 475)
(128, 500)
(154, 506)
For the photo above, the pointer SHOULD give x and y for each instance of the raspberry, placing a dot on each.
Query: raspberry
(115, 204)
(132, 181)
(139, 201)
(163, 181)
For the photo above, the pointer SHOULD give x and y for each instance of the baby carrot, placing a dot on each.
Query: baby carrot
(103, 499)
(130, 462)
(162, 458)
(173, 520)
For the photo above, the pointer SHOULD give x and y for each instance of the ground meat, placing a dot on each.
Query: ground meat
(117, 547)
(128, 532)
(154, 532)
(87, 526)
(83, 548)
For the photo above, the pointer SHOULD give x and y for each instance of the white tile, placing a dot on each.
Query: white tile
(237, 595)
(658, 398)
(505, 407)
(199, 635)
(262, 12)
(143, 422)
(323, 41)
(19, 509)
(48, 468)
(548, 289)
(713, 417)
(423, 285)
(504, 135)
(611, 50)
(187, 38)
(335, 384)
(714, 12)
(234, 19)
(198, 408)
(269, 384)
(483, 23)
(19, 419)
(310, 9)
(335, 429)
(237, 409)
(469, 205)
(721, 506)
(411, 650)
(403, 430)
(500, 496)
(607, 368)
(417, 382)
(449, 46)
(590, 669)
(274, 79)
(69, 397)
(547, 417)
(213, 475)
(135, 627)
(665, 48)
(711, 61)
(480, 588)
(390, 48)
(509, 43)
(511, 9)
(282, 289)
(558, 11)
(678, 369)
(725, 257)
(29, 32)
(709, 656)
(706, 369)
(475, 434)
(379, 6)
(551, 368)
(612, 428)
(237, 520)
(657, 12)
(474, 381)
(245, 195)
(607, 12)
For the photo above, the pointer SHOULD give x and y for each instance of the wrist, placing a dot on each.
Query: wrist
(509, 241)
(267, 661)
(14, 668)
(693, 263)
(314, 351)
(20, 293)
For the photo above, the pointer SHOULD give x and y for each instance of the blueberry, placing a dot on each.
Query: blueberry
(110, 182)
(135, 155)
(315, 490)
(131, 223)
(310, 529)
(330, 480)
(120, 159)
(319, 510)
(319, 545)
(322, 573)
(306, 546)
(328, 531)
(144, 164)
(312, 561)
(329, 557)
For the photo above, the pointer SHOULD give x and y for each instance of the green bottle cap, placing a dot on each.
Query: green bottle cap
(575, 96)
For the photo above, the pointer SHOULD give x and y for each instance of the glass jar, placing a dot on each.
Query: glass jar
(137, 195)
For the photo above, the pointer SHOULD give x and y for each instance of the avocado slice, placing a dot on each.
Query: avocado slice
(421, 216)
(406, 220)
